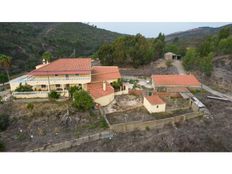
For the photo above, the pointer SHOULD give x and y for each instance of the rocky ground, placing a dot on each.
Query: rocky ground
(156, 67)
(47, 123)
(221, 78)
(198, 135)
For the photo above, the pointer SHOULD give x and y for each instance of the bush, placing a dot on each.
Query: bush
(103, 123)
(53, 95)
(2, 146)
(4, 122)
(24, 88)
(168, 63)
(1, 100)
(82, 100)
(73, 89)
(147, 128)
(117, 84)
(30, 106)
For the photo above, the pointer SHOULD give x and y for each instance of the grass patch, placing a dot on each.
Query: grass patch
(2, 146)
(21, 136)
(103, 123)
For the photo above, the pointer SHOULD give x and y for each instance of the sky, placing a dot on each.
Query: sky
(152, 29)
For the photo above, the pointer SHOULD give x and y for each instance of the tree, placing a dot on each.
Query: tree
(82, 100)
(24, 88)
(206, 64)
(53, 95)
(224, 33)
(117, 84)
(4, 122)
(47, 56)
(73, 89)
(105, 54)
(5, 62)
(225, 45)
(3, 78)
(159, 45)
(190, 59)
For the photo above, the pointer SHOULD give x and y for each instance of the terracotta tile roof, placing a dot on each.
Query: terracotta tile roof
(154, 99)
(96, 89)
(175, 80)
(178, 89)
(65, 66)
(101, 73)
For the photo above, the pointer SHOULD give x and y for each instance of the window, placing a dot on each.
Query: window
(56, 74)
(43, 86)
(157, 106)
(77, 74)
(57, 85)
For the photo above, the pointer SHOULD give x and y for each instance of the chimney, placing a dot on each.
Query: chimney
(44, 62)
(104, 85)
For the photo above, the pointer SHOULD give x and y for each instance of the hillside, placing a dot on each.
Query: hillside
(25, 42)
(194, 36)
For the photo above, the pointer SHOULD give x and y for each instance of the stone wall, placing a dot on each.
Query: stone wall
(139, 125)
(71, 143)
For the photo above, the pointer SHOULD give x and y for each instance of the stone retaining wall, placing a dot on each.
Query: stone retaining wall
(131, 126)
(71, 143)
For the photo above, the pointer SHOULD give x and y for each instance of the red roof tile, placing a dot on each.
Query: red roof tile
(96, 89)
(154, 99)
(101, 73)
(175, 80)
(65, 66)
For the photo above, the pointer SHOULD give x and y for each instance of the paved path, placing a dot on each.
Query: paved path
(180, 69)
(179, 66)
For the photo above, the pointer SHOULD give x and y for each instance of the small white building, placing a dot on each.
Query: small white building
(154, 104)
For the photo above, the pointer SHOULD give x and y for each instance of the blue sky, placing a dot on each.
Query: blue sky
(152, 29)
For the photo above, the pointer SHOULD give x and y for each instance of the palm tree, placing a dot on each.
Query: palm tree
(5, 62)
(47, 56)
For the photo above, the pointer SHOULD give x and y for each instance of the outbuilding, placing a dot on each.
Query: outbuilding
(154, 104)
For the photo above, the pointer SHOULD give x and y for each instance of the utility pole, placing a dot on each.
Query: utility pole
(49, 89)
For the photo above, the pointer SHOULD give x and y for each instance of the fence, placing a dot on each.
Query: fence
(72, 143)
(140, 125)
(37, 94)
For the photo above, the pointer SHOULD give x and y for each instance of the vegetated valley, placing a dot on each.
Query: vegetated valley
(206, 52)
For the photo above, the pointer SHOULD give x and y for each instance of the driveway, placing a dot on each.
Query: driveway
(181, 70)
(179, 66)
(141, 81)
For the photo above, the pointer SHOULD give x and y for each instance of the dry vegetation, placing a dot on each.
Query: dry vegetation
(199, 135)
(46, 123)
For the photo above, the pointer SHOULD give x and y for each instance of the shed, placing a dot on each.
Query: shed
(154, 104)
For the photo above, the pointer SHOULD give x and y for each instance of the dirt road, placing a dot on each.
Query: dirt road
(181, 70)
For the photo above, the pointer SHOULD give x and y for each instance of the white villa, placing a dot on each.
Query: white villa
(63, 73)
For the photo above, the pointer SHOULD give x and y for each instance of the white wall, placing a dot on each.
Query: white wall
(153, 108)
(105, 100)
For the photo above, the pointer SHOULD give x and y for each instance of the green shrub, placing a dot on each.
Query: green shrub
(117, 84)
(82, 100)
(30, 106)
(53, 95)
(168, 63)
(103, 123)
(147, 128)
(2, 146)
(4, 122)
(74, 89)
(24, 88)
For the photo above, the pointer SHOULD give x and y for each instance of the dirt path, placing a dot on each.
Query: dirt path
(179, 66)
(180, 69)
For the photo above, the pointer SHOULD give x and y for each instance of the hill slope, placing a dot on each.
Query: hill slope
(194, 36)
(26, 42)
